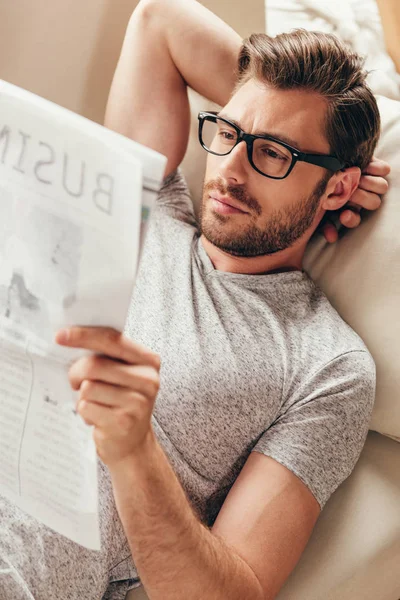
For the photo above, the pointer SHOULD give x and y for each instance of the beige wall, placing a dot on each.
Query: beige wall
(66, 50)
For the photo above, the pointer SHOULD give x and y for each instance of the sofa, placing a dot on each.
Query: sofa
(354, 550)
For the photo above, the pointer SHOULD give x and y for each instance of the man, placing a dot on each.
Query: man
(238, 400)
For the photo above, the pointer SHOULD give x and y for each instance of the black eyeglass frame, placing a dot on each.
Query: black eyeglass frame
(321, 160)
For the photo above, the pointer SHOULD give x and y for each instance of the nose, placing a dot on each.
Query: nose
(234, 167)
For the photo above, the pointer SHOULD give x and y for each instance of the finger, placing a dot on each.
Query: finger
(94, 414)
(376, 185)
(143, 379)
(362, 199)
(377, 167)
(111, 420)
(350, 219)
(330, 233)
(109, 395)
(109, 341)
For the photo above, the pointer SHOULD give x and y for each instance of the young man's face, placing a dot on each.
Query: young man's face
(279, 212)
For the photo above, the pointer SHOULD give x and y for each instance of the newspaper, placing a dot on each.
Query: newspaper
(75, 199)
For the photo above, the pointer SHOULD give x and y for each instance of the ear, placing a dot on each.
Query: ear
(340, 188)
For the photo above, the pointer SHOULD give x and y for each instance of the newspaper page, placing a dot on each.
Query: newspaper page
(75, 199)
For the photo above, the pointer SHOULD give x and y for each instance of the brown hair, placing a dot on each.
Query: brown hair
(321, 63)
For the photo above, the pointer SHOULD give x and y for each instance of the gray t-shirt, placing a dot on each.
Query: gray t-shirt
(248, 363)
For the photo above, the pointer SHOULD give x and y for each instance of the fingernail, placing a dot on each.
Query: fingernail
(62, 336)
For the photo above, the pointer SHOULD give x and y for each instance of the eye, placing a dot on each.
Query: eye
(271, 152)
(227, 135)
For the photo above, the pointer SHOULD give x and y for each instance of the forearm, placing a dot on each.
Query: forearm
(176, 556)
(390, 17)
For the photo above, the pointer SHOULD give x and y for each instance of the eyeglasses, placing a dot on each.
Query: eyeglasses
(267, 155)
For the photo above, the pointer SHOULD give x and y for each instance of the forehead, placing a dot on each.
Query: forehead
(296, 114)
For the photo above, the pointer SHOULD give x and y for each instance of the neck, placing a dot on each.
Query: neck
(287, 260)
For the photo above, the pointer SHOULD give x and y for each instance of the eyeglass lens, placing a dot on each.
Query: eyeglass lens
(271, 158)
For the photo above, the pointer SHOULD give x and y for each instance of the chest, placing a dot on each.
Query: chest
(221, 387)
(223, 363)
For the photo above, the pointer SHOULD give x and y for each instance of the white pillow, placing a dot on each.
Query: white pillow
(360, 274)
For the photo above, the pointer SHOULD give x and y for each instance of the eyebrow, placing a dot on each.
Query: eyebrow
(278, 136)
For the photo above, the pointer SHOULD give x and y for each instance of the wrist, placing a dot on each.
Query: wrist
(143, 454)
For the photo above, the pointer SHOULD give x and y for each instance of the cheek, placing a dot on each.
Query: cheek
(304, 178)
(285, 193)
(274, 195)
(278, 196)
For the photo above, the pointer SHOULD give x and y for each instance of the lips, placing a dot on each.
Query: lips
(226, 200)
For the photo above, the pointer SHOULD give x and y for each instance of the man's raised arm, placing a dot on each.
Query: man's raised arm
(168, 45)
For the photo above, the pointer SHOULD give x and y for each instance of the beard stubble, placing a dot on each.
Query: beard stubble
(283, 229)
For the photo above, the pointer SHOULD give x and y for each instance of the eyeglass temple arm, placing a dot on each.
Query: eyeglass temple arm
(329, 162)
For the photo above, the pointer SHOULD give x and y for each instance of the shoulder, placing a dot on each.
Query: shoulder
(321, 431)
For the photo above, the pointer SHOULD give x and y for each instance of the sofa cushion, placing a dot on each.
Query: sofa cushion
(354, 550)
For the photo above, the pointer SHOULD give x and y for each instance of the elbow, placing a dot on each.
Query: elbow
(147, 9)
(143, 11)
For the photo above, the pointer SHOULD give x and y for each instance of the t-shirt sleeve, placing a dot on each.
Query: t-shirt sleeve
(321, 435)
(174, 198)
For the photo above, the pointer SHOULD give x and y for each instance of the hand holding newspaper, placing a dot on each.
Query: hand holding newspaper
(75, 199)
